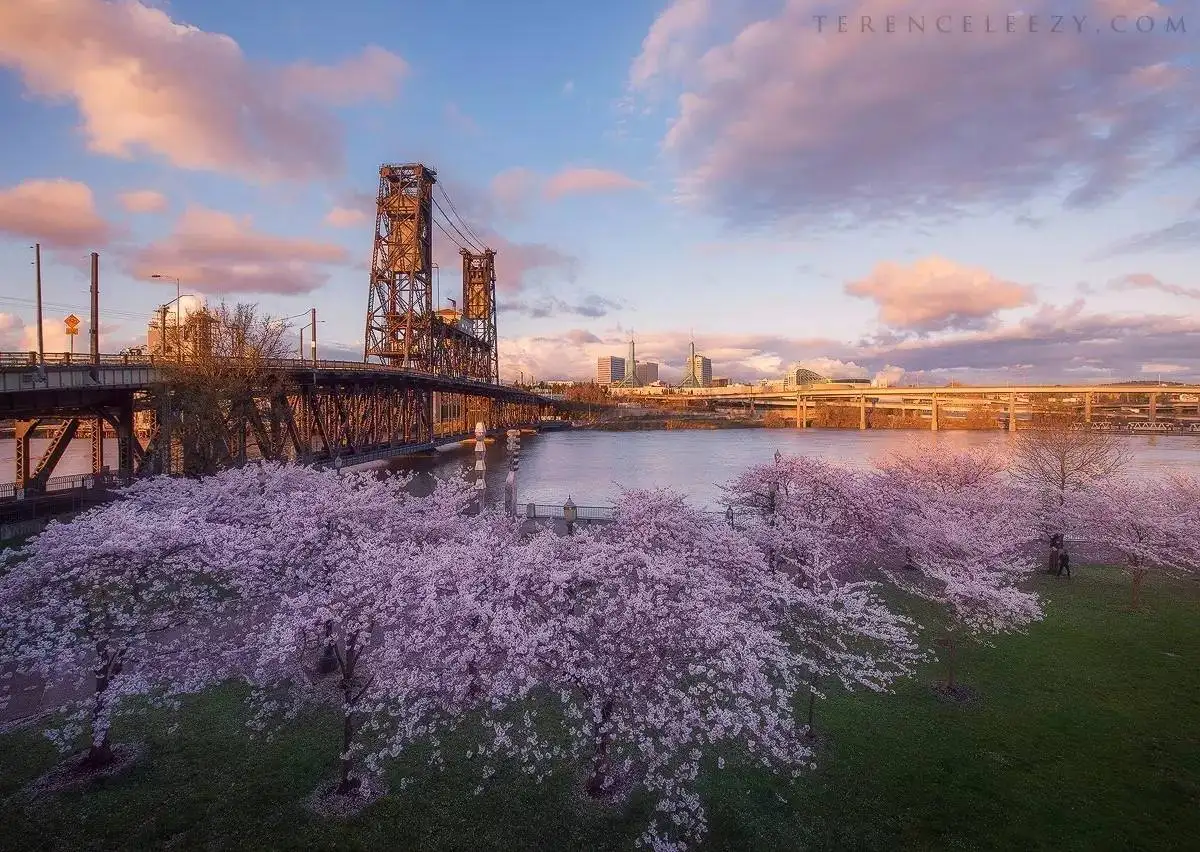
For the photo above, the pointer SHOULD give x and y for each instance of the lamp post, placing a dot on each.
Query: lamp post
(178, 338)
(570, 514)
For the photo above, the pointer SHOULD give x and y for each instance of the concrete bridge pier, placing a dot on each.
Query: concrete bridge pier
(933, 413)
(862, 412)
(1087, 408)
(1012, 412)
(1153, 408)
(801, 412)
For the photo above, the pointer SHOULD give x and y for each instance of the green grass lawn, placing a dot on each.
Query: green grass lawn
(1085, 735)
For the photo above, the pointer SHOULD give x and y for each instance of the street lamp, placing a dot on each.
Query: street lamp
(178, 337)
(570, 514)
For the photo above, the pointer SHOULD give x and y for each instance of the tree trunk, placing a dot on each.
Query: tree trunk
(812, 701)
(951, 684)
(598, 776)
(346, 784)
(1139, 575)
(100, 753)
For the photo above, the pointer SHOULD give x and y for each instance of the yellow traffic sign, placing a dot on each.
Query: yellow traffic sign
(72, 321)
(72, 329)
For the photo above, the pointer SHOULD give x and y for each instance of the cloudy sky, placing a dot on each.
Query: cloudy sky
(1013, 195)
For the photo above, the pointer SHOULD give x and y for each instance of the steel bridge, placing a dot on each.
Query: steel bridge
(426, 378)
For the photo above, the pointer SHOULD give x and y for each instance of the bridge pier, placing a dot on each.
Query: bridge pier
(801, 412)
(862, 412)
(1153, 408)
(97, 444)
(1087, 408)
(1012, 412)
(933, 413)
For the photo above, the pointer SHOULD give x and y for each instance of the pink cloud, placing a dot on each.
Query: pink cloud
(143, 82)
(780, 119)
(935, 294)
(572, 181)
(143, 201)
(1146, 281)
(513, 188)
(59, 213)
(345, 217)
(215, 252)
(459, 119)
(666, 46)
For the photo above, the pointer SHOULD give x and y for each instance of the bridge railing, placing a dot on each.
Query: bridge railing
(8, 490)
(29, 360)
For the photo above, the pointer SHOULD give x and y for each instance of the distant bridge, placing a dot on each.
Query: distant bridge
(846, 405)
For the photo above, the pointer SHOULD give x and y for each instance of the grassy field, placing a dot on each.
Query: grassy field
(1085, 735)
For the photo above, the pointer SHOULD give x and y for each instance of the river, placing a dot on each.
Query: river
(591, 467)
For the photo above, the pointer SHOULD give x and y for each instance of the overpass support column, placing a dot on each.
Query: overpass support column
(1087, 408)
(933, 413)
(125, 438)
(1012, 412)
(862, 412)
(802, 412)
(1153, 408)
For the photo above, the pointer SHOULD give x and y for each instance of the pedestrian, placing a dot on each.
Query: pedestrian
(1064, 563)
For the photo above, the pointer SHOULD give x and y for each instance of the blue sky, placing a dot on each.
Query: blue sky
(959, 206)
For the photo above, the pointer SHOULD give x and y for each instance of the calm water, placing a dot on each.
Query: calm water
(591, 467)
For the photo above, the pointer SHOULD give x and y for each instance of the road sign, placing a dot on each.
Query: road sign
(72, 323)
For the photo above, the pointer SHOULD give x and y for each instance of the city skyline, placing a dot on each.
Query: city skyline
(650, 177)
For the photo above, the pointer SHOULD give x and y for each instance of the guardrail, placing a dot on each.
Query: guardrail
(8, 490)
(29, 360)
(586, 513)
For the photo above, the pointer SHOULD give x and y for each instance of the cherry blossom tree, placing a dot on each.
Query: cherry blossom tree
(660, 634)
(1057, 458)
(119, 595)
(1154, 524)
(969, 531)
(817, 522)
(351, 558)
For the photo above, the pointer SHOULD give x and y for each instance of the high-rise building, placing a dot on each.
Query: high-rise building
(647, 373)
(701, 369)
(719, 382)
(609, 370)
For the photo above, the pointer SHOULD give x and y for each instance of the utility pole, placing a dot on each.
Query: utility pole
(313, 337)
(37, 262)
(162, 330)
(95, 333)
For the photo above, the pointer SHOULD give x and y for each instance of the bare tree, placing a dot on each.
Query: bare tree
(1059, 456)
(227, 377)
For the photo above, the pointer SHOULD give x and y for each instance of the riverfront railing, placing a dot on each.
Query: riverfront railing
(585, 513)
(8, 490)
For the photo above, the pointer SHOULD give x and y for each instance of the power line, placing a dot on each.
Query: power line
(465, 242)
(446, 233)
(480, 243)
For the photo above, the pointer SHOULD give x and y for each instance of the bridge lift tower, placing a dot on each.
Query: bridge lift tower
(400, 302)
(479, 310)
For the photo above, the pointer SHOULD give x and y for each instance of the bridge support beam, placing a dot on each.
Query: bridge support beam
(1012, 412)
(801, 411)
(862, 412)
(1153, 408)
(1087, 408)
(97, 444)
(933, 413)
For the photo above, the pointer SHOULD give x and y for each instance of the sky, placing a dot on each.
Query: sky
(1009, 195)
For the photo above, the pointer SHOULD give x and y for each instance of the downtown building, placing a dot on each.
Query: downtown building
(609, 370)
(701, 368)
(646, 372)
